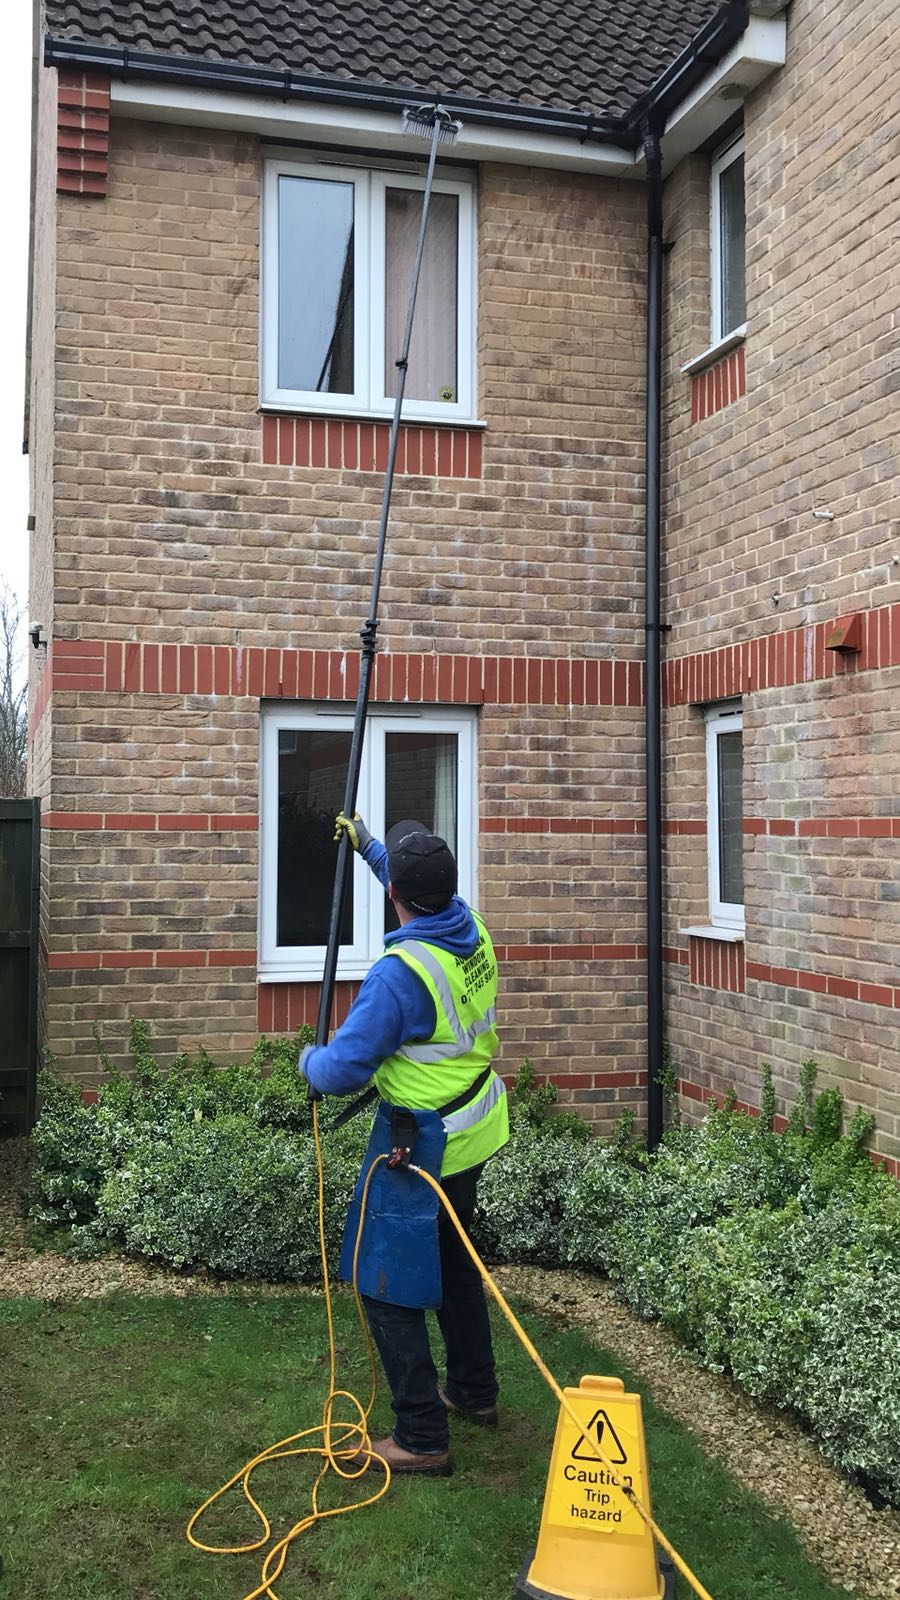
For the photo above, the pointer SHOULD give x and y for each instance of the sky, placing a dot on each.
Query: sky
(15, 122)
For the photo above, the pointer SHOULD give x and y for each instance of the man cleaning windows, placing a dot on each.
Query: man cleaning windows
(422, 1027)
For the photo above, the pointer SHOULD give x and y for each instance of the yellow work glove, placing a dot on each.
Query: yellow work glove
(354, 828)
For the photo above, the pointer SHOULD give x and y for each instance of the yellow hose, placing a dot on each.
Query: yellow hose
(341, 1451)
(337, 1451)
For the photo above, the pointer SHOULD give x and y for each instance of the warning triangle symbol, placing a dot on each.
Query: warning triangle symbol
(600, 1431)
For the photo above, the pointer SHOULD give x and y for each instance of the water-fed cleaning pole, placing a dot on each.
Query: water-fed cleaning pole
(436, 123)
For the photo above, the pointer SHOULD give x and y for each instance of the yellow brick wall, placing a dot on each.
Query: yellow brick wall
(170, 529)
(745, 558)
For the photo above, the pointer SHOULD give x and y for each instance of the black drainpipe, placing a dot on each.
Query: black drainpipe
(652, 635)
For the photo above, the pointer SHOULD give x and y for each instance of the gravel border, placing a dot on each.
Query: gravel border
(45, 1275)
(765, 1449)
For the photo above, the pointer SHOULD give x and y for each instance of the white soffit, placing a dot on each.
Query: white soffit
(317, 123)
(758, 52)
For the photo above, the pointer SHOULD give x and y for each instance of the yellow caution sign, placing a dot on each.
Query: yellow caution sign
(593, 1544)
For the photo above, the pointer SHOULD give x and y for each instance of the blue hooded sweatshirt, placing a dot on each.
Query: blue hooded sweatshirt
(393, 1006)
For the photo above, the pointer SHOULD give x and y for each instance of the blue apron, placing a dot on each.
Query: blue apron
(399, 1259)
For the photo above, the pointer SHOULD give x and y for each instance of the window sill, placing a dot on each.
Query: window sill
(715, 352)
(725, 935)
(280, 408)
(353, 973)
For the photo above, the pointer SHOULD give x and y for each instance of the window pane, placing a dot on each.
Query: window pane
(734, 228)
(432, 357)
(312, 773)
(731, 833)
(315, 285)
(421, 782)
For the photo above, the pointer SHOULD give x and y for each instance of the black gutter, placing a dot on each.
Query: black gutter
(707, 48)
(624, 130)
(650, 114)
(653, 627)
(232, 77)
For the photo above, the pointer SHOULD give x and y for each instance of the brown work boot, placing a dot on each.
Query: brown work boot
(407, 1462)
(487, 1417)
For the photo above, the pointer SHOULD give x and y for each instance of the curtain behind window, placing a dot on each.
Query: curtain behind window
(432, 361)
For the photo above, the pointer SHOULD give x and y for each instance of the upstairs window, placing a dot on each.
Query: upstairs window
(725, 815)
(419, 766)
(728, 227)
(338, 249)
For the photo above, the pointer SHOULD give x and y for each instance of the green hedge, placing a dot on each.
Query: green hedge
(773, 1256)
(201, 1166)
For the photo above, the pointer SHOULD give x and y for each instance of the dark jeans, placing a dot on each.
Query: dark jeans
(401, 1336)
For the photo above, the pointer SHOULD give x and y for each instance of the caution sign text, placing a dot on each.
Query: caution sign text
(582, 1491)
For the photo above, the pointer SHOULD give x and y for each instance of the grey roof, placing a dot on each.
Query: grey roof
(579, 55)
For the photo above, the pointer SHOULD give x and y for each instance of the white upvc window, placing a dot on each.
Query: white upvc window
(418, 766)
(337, 252)
(727, 237)
(725, 819)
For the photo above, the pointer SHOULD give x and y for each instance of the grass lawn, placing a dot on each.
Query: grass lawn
(118, 1417)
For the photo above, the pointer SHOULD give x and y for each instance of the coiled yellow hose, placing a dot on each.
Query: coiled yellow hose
(341, 1445)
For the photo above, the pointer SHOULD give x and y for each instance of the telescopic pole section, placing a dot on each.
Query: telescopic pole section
(369, 633)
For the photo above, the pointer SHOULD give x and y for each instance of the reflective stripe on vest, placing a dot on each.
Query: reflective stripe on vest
(428, 1053)
(468, 1116)
(464, 1037)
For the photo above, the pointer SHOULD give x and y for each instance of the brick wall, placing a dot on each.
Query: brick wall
(182, 534)
(188, 537)
(746, 559)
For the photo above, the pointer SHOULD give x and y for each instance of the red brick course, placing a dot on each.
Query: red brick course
(718, 386)
(777, 660)
(875, 994)
(137, 667)
(360, 446)
(82, 136)
(151, 822)
(104, 960)
(97, 960)
(771, 661)
(717, 964)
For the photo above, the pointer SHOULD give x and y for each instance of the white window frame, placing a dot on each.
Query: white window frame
(286, 963)
(719, 720)
(368, 398)
(720, 164)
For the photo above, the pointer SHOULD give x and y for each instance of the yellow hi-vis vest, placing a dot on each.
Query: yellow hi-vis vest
(424, 1076)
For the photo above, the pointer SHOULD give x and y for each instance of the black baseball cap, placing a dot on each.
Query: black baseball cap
(422, 867)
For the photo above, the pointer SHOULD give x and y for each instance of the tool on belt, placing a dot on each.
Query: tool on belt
(403, 1121)
(399, 1257)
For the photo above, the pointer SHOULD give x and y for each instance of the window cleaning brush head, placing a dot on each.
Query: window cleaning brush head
(421, 121)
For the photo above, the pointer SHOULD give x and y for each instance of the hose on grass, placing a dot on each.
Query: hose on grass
(344, 1447)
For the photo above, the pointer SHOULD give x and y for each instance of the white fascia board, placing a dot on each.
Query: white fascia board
(359, 130)
(759, 51)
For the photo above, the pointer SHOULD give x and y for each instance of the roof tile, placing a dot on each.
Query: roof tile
(588, 55)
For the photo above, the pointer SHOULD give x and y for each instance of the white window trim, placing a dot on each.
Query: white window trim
(720, 163)
(301, 963)
(368, 398)
(715, 352)
(709, 931)
(722, 913)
